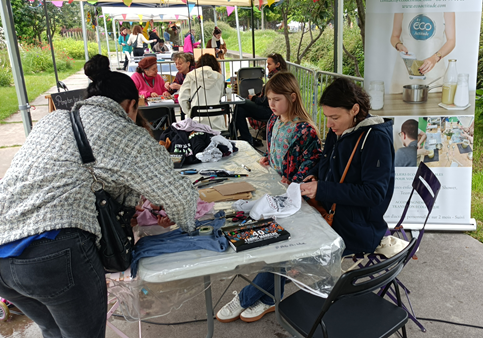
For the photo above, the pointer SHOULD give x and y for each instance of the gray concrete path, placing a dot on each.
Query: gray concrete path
(446, 281)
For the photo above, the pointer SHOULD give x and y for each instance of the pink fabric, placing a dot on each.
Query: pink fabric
(188, 46)
(145, 217)
(203, 208)
(144, 89)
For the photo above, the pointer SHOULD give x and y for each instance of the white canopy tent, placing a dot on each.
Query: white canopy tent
(145, 14)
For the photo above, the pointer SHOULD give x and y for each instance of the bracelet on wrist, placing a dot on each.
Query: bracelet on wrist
(439, 55)
(397, 43)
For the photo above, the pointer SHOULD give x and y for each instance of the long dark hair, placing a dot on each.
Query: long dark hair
(344, 93)
(114, 85)
(209, 60)
(277, 58)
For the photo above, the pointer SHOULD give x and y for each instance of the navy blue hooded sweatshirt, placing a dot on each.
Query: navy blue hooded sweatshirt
(364, 196)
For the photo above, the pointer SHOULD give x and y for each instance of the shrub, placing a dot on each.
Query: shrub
(209, 26)
(37, 59)
(75, 48)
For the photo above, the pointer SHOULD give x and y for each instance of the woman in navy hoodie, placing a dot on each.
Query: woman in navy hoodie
(364, 196)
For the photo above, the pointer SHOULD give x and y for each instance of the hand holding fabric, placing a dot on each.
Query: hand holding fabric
(309, 189)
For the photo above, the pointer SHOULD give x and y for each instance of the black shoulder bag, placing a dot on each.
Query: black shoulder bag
(114, 219)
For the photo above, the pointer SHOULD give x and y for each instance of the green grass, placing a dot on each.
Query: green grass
(477, 182)
(263, 41)
(36, 85)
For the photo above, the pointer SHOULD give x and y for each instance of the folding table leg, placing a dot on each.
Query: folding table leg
(209, 307)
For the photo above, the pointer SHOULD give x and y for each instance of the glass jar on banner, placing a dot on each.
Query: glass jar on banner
(462, 95)
(376, 92)
(449, 83)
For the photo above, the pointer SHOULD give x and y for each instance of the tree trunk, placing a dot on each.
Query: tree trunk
(356, 62)
(361, 12)
(284, 10)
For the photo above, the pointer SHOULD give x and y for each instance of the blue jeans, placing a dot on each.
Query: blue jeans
(60, 284)
(249, 295)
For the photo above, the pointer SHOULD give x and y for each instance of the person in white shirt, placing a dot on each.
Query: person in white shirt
(137, 39)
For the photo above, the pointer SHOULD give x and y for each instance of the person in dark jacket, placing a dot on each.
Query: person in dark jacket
(364, 196)
(256, 106)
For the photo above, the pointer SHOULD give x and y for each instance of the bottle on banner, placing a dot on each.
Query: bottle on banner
(449, 83)
(376, 92)
(462, 95)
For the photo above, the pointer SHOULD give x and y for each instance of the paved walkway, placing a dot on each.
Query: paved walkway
(446, 281)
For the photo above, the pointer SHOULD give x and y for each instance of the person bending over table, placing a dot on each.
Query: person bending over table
(257, 106)
(364, 196)
(203, 86)
(49, 263)
(147, 80)
(293, 150)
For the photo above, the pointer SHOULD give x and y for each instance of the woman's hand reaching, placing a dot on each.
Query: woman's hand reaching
(309, 187)
(428, 64)
(264, 161)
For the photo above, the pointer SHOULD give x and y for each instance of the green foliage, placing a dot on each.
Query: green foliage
(5, 72)
(37, 59)
(479, 78)
(209, 26)
(75, 48)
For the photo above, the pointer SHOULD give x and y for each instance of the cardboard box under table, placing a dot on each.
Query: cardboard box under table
(313, 252)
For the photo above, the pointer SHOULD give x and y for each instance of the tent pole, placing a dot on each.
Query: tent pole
(98, 34)
(263, 19)
(84, 31)
(253, 32)
(238, 32)
(214, 15)
(115, 40)
(107, 35)
(202, 28)
(16, 64)
(338, 35)
(51, 46)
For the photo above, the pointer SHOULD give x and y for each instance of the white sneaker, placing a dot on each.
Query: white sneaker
(230, 311)
(256, 312)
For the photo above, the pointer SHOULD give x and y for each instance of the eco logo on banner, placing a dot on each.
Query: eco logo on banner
(421, 27)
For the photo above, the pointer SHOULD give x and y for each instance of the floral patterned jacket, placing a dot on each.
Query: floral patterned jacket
(303, 154)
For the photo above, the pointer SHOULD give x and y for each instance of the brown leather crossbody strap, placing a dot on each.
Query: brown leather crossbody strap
(350, 159)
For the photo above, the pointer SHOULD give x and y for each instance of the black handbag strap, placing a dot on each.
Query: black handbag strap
(81, 138)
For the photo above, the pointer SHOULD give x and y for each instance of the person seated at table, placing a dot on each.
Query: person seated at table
(364, 196)
(257, 106)
(136, 40)
(49, 260)
(147, 80)
(160, 47)
(185, 63)
(218, 44)
(468, 133)
(203, 86)
(406, 156)
(293, 150)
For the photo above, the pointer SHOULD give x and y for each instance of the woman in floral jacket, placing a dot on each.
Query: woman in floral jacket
(293, 144)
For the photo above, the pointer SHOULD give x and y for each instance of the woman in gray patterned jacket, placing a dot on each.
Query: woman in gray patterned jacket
(49, 265)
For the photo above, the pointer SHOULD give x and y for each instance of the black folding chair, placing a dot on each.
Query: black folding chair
(212, 111)
(427, 185)
(158, 117)
(351, 299)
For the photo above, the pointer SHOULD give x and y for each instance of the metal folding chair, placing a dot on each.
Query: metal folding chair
(372, 315)
(427, 185)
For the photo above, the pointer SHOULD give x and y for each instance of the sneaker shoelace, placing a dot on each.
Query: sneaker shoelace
(235, 302)
(256, 307)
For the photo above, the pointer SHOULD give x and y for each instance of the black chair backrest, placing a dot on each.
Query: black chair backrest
(365, 280)
(154, 113)
(246, 84)
(210, 110)
(250, 73)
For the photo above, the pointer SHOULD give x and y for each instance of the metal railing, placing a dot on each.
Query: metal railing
(312, 82)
